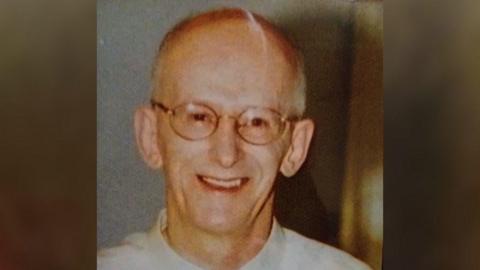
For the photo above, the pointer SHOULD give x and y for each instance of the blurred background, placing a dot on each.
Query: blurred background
(431, 77)
(337, 197)
(47, 135)
(432, 135)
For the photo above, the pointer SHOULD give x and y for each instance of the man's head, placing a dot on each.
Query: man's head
(229, 90)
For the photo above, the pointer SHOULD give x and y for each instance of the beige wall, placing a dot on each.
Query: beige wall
(362, 211)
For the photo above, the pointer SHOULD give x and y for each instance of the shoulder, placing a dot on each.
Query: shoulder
(311, 254)
(131, 254)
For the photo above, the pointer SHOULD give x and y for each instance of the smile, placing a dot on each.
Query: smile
(231, 184)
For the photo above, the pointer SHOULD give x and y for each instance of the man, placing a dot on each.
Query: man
(224, 119)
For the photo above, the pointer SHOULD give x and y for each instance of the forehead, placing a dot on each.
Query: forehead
(232, 63)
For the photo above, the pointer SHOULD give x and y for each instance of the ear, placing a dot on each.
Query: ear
(298, 149)
(146, 136)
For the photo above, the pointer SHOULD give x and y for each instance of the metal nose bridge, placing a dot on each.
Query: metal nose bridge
(235, 118)
(228, 116)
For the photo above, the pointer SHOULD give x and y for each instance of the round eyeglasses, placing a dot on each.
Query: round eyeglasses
(255, 125)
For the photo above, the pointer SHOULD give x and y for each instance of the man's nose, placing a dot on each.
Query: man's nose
(225, 143)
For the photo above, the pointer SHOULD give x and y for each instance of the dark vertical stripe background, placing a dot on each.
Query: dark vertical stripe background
(47, 134)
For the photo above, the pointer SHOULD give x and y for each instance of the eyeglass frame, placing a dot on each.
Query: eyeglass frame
(171, 112)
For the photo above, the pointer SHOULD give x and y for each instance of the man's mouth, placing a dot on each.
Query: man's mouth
(219, 184)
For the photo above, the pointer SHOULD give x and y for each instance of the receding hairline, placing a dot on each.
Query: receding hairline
(276, 37)
(285, 44)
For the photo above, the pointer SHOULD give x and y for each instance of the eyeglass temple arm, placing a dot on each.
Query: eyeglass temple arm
(161, 106)
(291, 118)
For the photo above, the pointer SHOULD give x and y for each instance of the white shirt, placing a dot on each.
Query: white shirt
(284, 250)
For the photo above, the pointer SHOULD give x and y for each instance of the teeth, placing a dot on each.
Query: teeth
(223, 183)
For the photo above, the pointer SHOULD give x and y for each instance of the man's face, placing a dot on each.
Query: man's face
(228, 67)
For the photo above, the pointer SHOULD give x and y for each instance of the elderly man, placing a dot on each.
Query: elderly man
(225, 117)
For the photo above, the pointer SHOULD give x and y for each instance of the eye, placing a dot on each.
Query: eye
(258, 122)
(200, 117)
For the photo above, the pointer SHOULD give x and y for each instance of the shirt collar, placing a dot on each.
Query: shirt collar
(269, 256)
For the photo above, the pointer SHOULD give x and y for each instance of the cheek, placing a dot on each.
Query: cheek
(173, 148)
(278, 150)
(178, 169)
(179, 156)
(268, 160)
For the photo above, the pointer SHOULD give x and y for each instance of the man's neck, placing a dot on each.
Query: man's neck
(219, 251)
